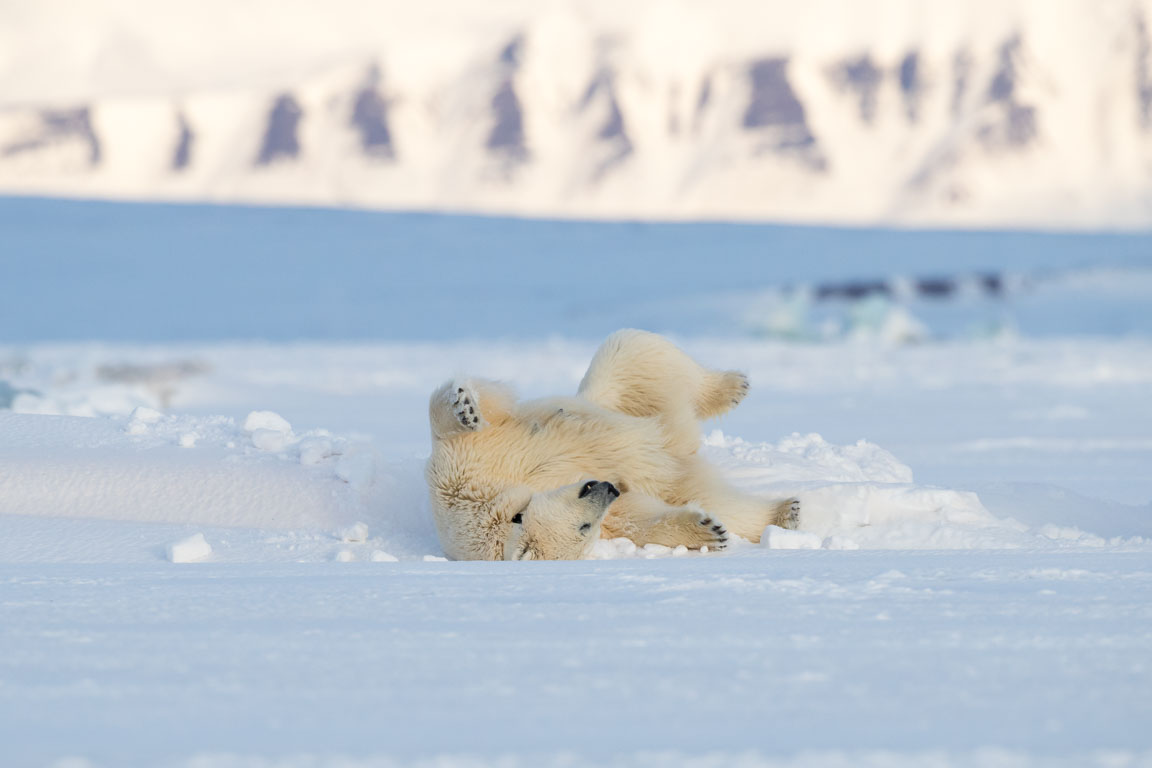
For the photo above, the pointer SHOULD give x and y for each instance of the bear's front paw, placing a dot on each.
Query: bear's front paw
(466, 408)
(710, 532)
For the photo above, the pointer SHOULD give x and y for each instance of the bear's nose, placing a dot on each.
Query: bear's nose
(602, 490)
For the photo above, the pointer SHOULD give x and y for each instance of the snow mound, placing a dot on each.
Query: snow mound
(861, 496)
(186, 470)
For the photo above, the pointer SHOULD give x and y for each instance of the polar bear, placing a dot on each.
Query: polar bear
(544, 479)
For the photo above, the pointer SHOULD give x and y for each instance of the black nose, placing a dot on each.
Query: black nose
(599, 488)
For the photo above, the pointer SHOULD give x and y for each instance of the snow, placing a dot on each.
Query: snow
(804, 658)
(189, 550)
(216, 551)
(966, 114)
(131, 469)
(775, 537)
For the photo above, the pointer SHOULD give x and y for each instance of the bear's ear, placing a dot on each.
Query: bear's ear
(512, 503)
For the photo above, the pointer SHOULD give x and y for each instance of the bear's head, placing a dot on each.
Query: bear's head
(556, 525)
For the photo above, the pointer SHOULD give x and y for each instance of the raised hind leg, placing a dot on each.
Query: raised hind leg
(643, 374)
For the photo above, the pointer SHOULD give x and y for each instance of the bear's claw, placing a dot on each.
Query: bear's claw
(742, 389)
(714, 536)
(790, 518)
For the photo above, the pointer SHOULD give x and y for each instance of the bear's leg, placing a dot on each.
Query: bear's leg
(720, 392)
(646, 520)
(468, 405)
(642, 374)
(745, 515)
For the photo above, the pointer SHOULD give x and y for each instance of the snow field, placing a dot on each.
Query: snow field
(807, 658)
(218, 555)
(245, 483)
(318, 625)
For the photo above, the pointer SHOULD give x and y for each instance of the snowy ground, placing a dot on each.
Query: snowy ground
(217, 553)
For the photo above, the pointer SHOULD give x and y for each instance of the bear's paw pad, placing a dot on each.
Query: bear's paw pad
(467, 409)
(711, 532)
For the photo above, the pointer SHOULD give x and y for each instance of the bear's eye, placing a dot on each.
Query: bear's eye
(518, 518)
(586, 527)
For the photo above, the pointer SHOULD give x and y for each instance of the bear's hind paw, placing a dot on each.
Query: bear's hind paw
(737, 387)
(466, 409)
(789, 514)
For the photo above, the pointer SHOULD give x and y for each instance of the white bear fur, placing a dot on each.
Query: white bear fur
(634, 423)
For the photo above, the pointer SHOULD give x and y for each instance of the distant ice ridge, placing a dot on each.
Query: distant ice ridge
(894, 111)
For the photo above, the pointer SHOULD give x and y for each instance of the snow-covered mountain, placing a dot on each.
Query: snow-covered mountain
(989, 112)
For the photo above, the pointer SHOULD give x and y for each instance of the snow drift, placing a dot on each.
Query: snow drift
(174, 469)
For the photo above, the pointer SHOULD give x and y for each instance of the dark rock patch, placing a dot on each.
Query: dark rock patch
(370, 119)
(910, 74)
(281, 141)
(1144, 72)
(862, 78)
(775, 111)
(56, 127)
(1015, 124)
(613, 132)
(182, 156)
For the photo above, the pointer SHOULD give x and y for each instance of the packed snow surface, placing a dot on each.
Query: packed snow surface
(273, 594)
(216, 552)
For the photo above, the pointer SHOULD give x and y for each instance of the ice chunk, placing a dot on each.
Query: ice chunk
(141, 419)
(314, 450)
(269, 420)
(775, 537)
(379, 556)
(608, 549)
(270, 440)
(345, 556)
(189, 550)
(146, 415)
(356, 532)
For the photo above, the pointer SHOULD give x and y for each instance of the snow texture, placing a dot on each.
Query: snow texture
(216, 552)
(189, 550)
